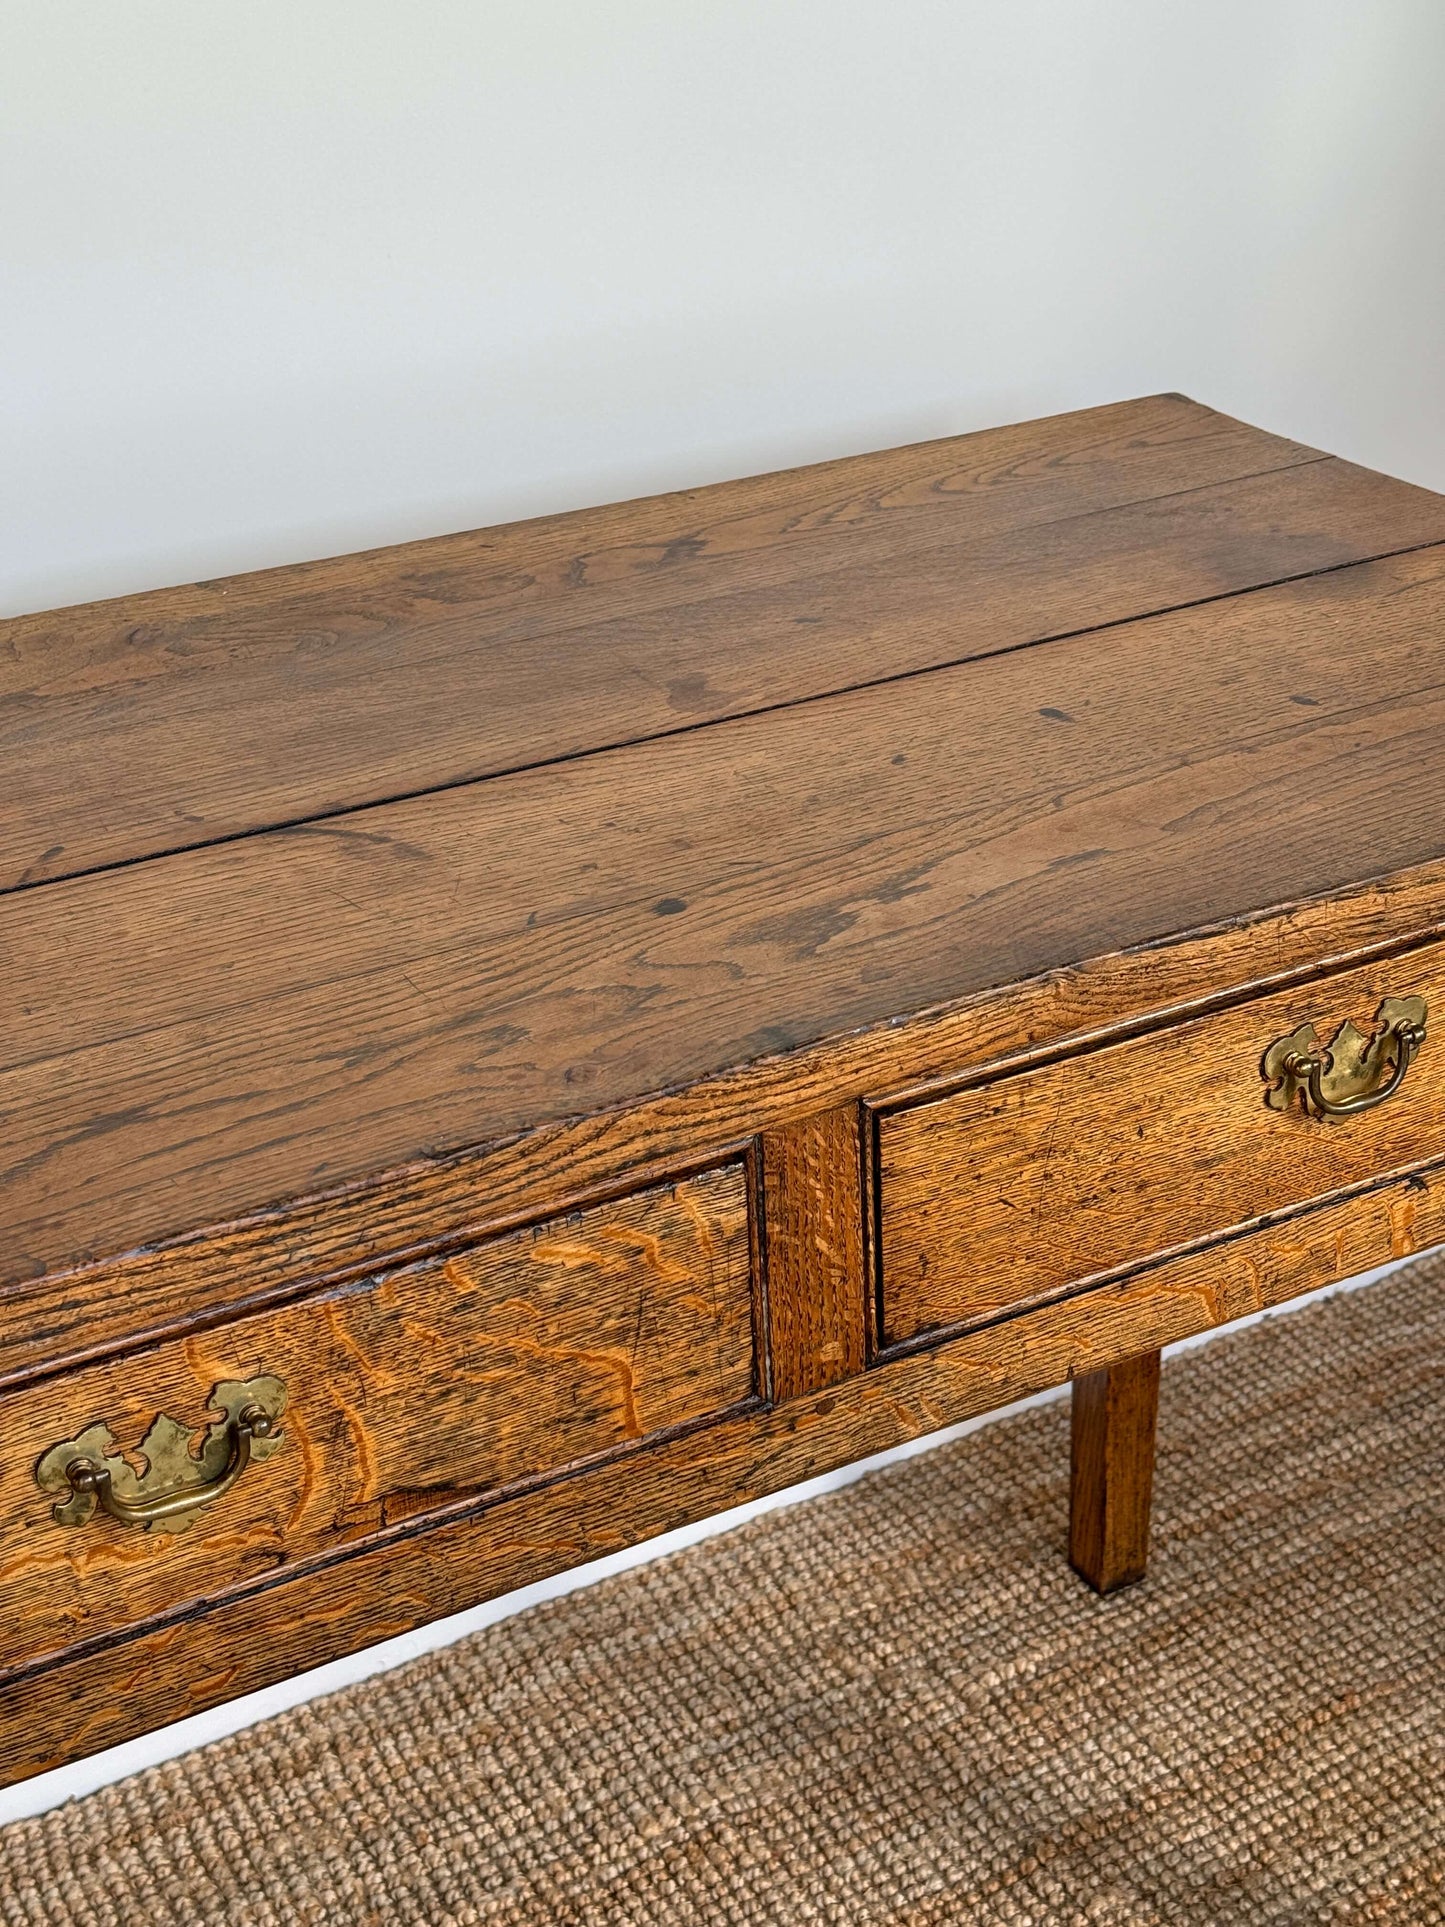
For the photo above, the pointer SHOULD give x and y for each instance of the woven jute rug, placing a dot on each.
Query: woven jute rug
(895, 1703)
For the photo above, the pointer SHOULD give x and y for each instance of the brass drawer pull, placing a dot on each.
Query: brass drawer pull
(91, 1471)
(1357, 1072)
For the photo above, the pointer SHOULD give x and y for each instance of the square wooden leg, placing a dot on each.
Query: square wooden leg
(1112, 1473)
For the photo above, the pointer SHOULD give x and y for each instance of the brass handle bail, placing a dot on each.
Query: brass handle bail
(94, 1475)
(1356, 1072)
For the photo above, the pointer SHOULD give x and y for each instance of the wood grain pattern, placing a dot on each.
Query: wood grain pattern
(98, 1698)
(1111, 1471)
(408, 1392)
(1010, 1192)
(431, 1208)
(165, 720)
(817, 1288)
(205, 1033)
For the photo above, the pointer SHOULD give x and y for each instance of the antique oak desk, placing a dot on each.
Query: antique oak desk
(521, 1040)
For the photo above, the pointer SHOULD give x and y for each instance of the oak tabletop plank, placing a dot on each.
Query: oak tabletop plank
(169, 720)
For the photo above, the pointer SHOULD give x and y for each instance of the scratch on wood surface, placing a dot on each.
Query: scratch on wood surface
(98, 1553)
(648, 1246)
(700, 1219)
(296, 1431)
(1402, 1226)
(83, 1556)
(909, 1423)
(371, 1370)
(423, 1334)
(1255, 1287)
(934, 1420)
(361, 1439)
(208, 1372)
(1040, 1175)
(614, 1363)
(573, 1255)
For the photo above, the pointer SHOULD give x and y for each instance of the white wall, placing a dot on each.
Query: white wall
(281, 280)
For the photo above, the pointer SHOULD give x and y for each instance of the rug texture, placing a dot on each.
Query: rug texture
(896, 1704)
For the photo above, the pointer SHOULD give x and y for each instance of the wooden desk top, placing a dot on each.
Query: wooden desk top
(310, 873)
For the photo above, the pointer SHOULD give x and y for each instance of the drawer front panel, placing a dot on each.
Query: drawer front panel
(405, 1391)
(1015, 1190)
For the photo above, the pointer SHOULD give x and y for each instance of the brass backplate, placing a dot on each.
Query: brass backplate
(1359, 1061)
(170, 1463)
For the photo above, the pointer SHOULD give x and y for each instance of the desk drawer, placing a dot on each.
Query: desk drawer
(404, 1392)
(1026, 1186)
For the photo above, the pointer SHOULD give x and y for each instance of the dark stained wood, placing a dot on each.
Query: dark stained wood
(199, 1035)
(1111, 1474)
(97, 1698)
(407, 1393)
(1016, 1189)
(167, 720)
(816, 1289)
(430, 1208)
